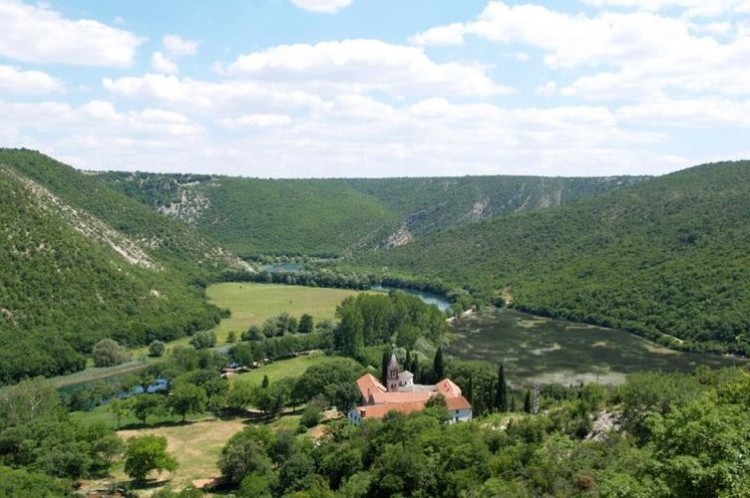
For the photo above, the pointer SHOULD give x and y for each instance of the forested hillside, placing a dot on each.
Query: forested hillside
(252, 216)
(334, 217)
(427, 205)
(81, 262)
(668, 256)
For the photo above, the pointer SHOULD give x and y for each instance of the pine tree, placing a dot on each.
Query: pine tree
(438, 365)
(527, 402)
(501, 397)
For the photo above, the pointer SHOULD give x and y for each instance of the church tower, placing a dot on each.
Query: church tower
(393, 372)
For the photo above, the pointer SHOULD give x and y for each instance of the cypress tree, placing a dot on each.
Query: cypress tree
(438, 366)
(501, 397)
(470, 389)
(414, 368)
(527, 402)
(265, 382)
(384, 368)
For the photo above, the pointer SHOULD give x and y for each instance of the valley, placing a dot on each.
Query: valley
(552, 305)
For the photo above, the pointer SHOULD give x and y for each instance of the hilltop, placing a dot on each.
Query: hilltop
(337, 216)
(668, 256)
(81, 262)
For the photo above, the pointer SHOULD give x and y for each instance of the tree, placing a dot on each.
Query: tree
(265, 382)
(118, 408)
(144, 454)
(108, 353)
(254, 333)
(438, 366)
(26, 401)
(23, 484)
(143, 405)
(204, 339)
(349, 335)
(272, 399)
(156, 349)
(296, 472)
(240, 395)
(245, 454)
(384, 367)
(232, 337)
(187, 398)
(311, 416)
(345, 397)
(527, 402)
(306, 324)
(501, 397)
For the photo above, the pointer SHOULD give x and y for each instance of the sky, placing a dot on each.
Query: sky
(378, 88)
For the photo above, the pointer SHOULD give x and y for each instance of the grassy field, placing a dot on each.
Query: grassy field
(555, 351)
(249, 303)
(285, 369)
(252, 303)
(198, 443)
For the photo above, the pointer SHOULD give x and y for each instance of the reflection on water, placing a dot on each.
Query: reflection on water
(426, 297)
(563, 352)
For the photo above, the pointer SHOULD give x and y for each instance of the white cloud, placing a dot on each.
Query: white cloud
(349, 135)
(322, 6)
(692, 8)
(19, 82)
(646, 54)
(177, 46)
(688, 113)
(258, 121)
(451, 34)
(161, 64)
(38, 34)
(187, 93)
(363, 65)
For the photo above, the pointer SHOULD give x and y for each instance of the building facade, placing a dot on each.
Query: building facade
(402, 395)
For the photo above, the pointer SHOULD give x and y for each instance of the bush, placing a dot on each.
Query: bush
(108, 353)
(203, 340)
(311, 416)
(156, 349)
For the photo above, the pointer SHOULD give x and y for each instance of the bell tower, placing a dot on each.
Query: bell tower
(393, 371)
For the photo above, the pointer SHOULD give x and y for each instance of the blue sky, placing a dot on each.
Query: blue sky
(353, 88)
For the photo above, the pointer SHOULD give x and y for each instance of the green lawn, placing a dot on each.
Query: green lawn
(285, 369)
(252, 303)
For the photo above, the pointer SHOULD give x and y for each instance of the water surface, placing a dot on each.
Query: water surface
(535, 348)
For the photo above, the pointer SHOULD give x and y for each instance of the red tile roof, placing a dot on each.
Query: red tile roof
(405, 401)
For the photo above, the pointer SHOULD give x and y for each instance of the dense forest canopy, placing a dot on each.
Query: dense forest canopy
(81, 262)
(332, 217)
(668, 256)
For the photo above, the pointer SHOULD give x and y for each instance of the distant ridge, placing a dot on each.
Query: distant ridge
(338, 216)
(665, 257)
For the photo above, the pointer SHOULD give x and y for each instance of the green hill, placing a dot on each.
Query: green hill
(427, 205)
(80, 262)
(335, 217)
(668, 256)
